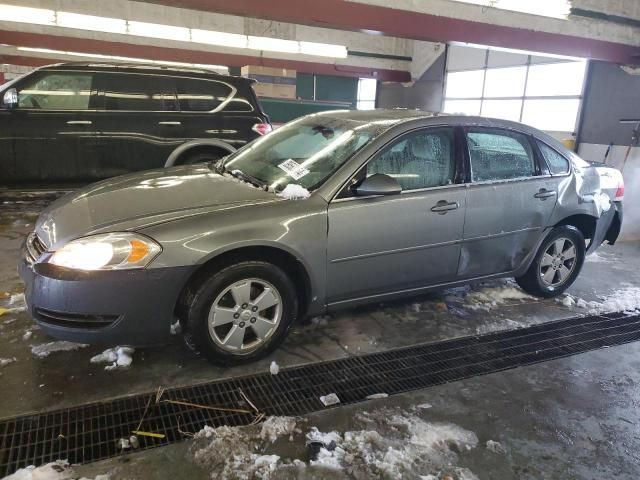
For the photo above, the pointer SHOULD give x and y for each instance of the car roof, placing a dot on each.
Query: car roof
(403, 116)
(148, 68)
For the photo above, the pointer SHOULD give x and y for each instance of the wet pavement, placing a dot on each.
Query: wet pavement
(570, 418)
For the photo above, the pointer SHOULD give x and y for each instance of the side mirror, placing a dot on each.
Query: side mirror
(378, 184)
(10, 99)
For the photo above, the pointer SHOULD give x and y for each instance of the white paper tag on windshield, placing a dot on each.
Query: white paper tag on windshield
(293, 169)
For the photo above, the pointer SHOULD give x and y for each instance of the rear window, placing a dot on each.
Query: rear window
(201, 95)
(131, 92)
(556, 162)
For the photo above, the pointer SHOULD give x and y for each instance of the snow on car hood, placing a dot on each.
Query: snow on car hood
(141, 199)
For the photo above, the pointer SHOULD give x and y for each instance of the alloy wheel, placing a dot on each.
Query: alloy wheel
(245, 315)
(558, 262)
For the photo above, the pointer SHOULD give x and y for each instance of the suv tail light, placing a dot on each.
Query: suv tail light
(262, 128)
(620, 191)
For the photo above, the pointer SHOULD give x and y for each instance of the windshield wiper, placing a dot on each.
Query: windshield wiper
(248, 178)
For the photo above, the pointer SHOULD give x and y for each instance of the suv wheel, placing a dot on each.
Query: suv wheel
(557, 263)
(242, 313)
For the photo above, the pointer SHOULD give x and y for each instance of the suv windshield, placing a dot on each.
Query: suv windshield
(305, 152)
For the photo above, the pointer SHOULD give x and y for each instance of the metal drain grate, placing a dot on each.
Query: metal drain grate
(90, 432)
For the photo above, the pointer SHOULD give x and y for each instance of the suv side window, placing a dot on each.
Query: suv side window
(201, 95)
(556, 162)
(421, 159)
(138, 93)
(56, 91)
(499, 155)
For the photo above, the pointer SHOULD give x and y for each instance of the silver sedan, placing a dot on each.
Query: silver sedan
(330, 211)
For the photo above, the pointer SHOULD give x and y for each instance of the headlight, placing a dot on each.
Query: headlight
(110, 251)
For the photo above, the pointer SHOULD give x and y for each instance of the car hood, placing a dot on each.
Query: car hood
(142, 199)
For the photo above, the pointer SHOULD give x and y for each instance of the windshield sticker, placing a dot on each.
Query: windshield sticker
(293, 169)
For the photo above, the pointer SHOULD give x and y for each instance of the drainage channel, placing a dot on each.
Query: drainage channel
(91, 432)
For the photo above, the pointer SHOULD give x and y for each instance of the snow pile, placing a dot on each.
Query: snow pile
(229, 452)
(495, 447)
(58, 470)
(46, 349)
(6, 361)
(274, 368)
(276, 427)
(624, 300)
(294, 192)
(117, 357)
(395, 447)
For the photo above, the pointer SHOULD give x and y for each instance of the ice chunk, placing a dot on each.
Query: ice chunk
(275, 427)
(495, 447)
(46, 349)
(6, 361)
(175, 328)
(274, 368)
(118, 357)
(294, 192)
(373, 396)
(331, 399)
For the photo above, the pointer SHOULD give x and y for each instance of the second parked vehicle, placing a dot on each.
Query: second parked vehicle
(83, 121)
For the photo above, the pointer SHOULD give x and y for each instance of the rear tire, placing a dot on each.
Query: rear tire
(224, 315)
(556, 264)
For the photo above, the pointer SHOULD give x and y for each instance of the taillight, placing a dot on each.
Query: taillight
(620, 191)
(262, 128)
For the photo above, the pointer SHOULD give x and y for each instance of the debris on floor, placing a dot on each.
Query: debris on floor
(274, 368)
(6, 361)
(27, 335)
(495, 447)
(275, 427)
(374, 396)
(46, 349)
(331, 399)
(116, 357)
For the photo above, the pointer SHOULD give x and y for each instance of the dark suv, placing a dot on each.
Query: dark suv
(87, 121)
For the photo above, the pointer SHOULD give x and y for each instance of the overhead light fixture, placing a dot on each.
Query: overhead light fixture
(121, 26)
(221, 39)
(91, 22)
(117, 58)
(39, 16)
(323, 49)
(273, 44)
(155, 30)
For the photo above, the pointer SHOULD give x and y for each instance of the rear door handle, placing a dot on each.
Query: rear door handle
(169, 123)
(543, 194)
(79, 122)
(443, 207)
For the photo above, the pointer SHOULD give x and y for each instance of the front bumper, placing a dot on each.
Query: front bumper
(132, 307)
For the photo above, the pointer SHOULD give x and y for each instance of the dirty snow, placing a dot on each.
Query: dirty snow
(486, 298)
(374, 396)
(275, 427)
(117, 357)
(58, 470)
(626, 299)
(321, 321)
(274, 368)
(46, 349)
(6, 361)
(27, 335)
(294, 192)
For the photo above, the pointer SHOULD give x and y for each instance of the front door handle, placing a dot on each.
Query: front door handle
(169, 123)
(543, 194)
(443, 207)
(79, 122)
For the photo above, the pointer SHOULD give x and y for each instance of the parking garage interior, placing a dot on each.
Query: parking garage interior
(461, 382)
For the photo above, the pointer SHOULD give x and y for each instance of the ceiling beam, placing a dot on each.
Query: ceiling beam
(345, 15)
(86, 45)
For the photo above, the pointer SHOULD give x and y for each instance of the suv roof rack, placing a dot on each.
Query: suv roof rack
(139, 65)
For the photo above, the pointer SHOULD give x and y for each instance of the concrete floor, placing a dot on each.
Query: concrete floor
(571, 418)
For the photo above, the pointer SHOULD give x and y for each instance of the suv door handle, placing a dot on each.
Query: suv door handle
(169, 123)
(79, 122)
(543, 194)
(443, 207)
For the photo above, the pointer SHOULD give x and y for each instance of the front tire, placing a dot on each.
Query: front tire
(241, 313)
(556, 264)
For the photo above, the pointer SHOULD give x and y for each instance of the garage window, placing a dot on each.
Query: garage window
(421, 159)
(499, 155)
(56, 91)
(201, 95)
(138, 93)
(556, 162)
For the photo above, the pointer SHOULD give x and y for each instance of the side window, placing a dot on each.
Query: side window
(556, 162)
(420, 159)
(56, 91)
(139, 93)
(499, 155)
(201, 95)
